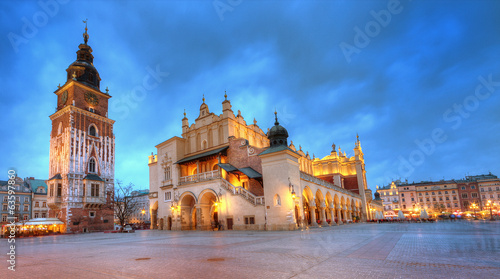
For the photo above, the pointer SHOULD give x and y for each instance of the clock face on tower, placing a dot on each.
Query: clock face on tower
(91, 98)
(64, 97)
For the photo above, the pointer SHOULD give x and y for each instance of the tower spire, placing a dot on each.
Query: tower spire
(276, 117)
(85, 35)
(203, 98)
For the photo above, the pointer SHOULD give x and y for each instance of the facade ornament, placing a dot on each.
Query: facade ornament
(254, 121)
(333, 147)
(225, 95)
(107, 90)
(203, 98)
(85, 35)
(74, 75)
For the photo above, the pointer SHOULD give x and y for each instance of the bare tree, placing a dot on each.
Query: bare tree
(124, 202)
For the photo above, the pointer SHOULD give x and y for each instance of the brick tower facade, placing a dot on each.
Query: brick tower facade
(82, 150)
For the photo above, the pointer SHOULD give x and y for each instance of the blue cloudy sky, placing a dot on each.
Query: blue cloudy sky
(419, 81)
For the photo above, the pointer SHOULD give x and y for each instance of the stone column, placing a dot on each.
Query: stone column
(313, 216)
(332, 214)
(339, 216)
(323, 213)
(350, 215)
(344, 211)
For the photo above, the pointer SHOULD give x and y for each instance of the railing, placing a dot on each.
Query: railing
(200, 177)
(54, 199)
(253, 199)
(327, 184)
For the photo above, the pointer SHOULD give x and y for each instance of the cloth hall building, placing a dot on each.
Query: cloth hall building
(223, 171)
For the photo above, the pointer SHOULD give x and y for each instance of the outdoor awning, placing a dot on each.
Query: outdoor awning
(251, 173)
(201, 155)
(227, 167)
(43, 221)
(248, 171)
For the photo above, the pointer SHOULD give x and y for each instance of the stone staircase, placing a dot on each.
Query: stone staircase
(244, 193)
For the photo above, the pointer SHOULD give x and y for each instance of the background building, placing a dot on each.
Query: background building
(82, 149)
(39, 208)
(142, 214)
(390, 199)
(448, 196)
(22, 194)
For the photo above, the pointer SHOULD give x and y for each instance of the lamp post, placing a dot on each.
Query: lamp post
(474, 207)
(490, 205)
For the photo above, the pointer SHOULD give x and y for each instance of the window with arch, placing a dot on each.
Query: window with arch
(277, 200)
(167, 173)
(204, 144)
(92, 165)
(93, 130)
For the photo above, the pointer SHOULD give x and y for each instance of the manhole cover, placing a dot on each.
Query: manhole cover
(142, 259)
(215, 259)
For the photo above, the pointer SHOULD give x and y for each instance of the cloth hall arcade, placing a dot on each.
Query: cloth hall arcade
(223, 171)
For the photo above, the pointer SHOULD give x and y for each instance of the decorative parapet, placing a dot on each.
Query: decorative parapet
(327, 184)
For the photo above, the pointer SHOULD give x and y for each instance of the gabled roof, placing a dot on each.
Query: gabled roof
(35, 183)
(57, 176)
(93, 177)
(201, 155)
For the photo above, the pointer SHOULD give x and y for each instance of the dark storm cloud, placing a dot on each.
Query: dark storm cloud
(277, 55)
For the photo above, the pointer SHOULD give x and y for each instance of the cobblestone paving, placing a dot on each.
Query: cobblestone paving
(427, 250)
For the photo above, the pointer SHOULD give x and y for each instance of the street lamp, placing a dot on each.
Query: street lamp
(490, 205)
(474, 207)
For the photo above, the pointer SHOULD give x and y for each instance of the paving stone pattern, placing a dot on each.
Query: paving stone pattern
(425, 250)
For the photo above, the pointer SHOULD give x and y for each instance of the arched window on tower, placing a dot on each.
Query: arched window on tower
(93, 130)
(92, 165)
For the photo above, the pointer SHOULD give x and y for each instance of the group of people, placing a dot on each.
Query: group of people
(219, 225)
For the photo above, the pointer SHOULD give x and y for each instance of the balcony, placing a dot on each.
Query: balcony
(215, 174)
(54, 200)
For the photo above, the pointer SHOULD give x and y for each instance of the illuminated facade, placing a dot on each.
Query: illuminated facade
(390, 199)
(224, 171)
(82, 148)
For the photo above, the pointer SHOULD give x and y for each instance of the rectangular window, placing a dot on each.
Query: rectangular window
(464, 196)
(44, 204)
(420, 194)
(37, 204)
(412, 199)
(433, 199)
(18, 199)
(92, 214)
(473, 187)
(168, 196)
(36, 215)
(4, 208)
(59, 189)
(402, 195)
(456, 205)
(26, 207)
(51, 190)
(474, 195)
(4, 198)
(447, 198)
(17, 207)
(427, 199)
(404, 206)
(94, 190)
(4, 218)
(426, 193)
(44, 215)
(421, 200)
(249, 220)
(403, 199)
(433, 193)
(25, 217)
(453, 192)
(26, 199)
